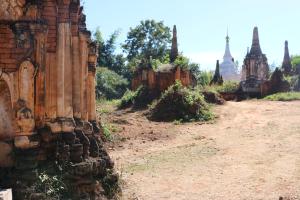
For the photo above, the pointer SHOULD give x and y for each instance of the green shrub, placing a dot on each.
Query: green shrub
(127, 99)
(110, 85)
(228, 87)
(182, 62)
(294, 82)
(144, 97)
(138, 99)
(288, 96)
(180, 103)
(204, 78)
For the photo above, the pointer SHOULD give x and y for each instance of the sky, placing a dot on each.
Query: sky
(202, 24)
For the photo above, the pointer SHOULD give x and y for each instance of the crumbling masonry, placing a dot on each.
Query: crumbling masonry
(47, 97)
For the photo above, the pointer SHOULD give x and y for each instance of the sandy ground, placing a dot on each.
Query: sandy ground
(251, 151)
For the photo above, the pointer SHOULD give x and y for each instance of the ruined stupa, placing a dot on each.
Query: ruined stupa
(47, 99)
(255, 69)
(287, 64)
(160, 79)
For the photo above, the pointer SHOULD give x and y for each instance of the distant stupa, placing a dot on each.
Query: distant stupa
(174, 49)
(287, 64)
(228, 68)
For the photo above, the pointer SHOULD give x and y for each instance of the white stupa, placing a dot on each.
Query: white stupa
(228, 69)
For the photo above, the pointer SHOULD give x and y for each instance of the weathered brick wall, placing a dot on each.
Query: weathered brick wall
(50, 14)
(46, 53)
(10, 55)
(6, 117)
(160, 81)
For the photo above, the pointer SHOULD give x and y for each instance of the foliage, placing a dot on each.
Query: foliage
(155, 63)
(127, 99)
(51, 182)
(288, 96)
(182, 62)
(195, 69)
(108, 56)
(204, 78)
(228, 87)
(110, 85)
(295, 61)
(293, 81)
(144, 96)
(139, 98)
(148, 39)
(180, 103)
(108, 130)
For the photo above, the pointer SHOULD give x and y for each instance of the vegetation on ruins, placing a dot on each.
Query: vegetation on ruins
(127, 100)
(140, 98)
(284, 96)
(180, 103)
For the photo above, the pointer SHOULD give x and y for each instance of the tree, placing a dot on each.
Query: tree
(195, 69)
(110, 85)
(106, 48)
(148, 39)
(107, 54)
(204, 78)
(296, 63)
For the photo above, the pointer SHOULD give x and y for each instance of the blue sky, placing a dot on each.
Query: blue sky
(202, 24)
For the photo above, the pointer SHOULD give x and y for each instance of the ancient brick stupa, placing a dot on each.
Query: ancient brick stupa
(47, 97)
(255, 69)
(158, 80)
(286, 64)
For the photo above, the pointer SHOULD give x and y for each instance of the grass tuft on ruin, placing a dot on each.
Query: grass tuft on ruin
(284, 96)
(180, 103)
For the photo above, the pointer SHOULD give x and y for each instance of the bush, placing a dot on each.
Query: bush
(144, 96)
(227, 87)
(110, 85)
(180, 103)
(127, 100)
(288, 96)
(213, 97)
(204, 78)
(294, 82)
(138, 99)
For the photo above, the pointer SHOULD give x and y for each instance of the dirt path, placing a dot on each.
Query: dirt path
(252, 151)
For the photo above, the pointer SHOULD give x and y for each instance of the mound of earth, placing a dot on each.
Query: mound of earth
(213, 97)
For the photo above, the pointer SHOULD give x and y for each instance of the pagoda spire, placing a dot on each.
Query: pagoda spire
(174, 49)
(255, 48)
(227, 56)
(286, 64)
